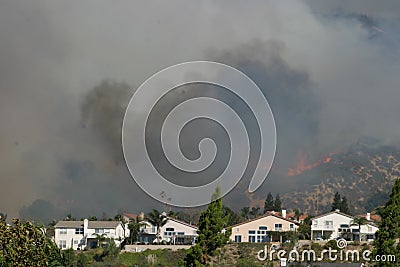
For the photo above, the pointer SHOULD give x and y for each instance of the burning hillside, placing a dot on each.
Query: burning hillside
(302, 165)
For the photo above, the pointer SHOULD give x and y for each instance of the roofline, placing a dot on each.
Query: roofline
(82, 222)
(331, 212)
(263, 216)
(176, 220)
(182, 222)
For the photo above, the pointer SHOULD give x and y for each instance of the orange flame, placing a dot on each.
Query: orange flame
(302, 165)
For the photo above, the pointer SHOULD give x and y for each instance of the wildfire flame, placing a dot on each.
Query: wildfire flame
(302, 165)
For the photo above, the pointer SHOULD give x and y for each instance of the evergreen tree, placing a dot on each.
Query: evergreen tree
(344, 207)
(254, 212)
(245, 211)
(337, 202)
(389, 229)
(297, 213)
(212, 222)
(233, 217)
(269, 203)
(277, 203)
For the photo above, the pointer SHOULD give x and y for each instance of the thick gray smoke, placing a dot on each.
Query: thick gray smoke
(68, 68)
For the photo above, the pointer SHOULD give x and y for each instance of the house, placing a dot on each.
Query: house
(79, 235)
(267, 228)
(336, 224)
(131, 217)
(174, 232)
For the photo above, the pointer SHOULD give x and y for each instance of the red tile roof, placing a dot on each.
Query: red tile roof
(130, 215)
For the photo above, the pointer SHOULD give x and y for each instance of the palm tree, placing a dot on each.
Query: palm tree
(100, 238)
(134, 228)
(358, 221)
(158, 220)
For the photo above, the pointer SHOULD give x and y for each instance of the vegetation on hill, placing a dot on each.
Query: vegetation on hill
(362, 174)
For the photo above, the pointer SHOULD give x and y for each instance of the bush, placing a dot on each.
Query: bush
(24, 244)
(248, 263)
(82, 260)
(331, 244)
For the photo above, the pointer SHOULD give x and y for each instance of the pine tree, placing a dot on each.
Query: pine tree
(212, 221)
(269, 203)
(389, 229)
(337, 202)
(344, 207)
(277, 203)
(245, 211)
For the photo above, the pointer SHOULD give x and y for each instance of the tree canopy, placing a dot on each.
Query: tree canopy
(389, 229)
(25, 244)
(211, 235)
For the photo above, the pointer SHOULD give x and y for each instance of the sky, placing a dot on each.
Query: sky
(68, 69)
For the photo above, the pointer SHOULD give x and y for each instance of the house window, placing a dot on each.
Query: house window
(76, 242)
(344, 226)
(181, 233)
(278, 227)
(101, 231)
(238, 238)
(315, 223)
(369, 228)
(63, 231)
(252, 232)
(79, 231)
(252, 238)
(291, 226)
(169, 229)
(263, 228)
(62, 244)
(329, 224)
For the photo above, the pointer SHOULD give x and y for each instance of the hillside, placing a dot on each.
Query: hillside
(364, 174)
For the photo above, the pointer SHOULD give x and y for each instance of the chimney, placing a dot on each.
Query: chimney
(368, 217)
(85, 225)
(141, 215)
(337, 210)
(284, 213)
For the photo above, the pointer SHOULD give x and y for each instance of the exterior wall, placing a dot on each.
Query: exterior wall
(67, 238)
(179, 230)
(167, 234)
(330, 224)
(71, 239)
(148, 228)
(330, 227)
(266, 223)
(115, 233)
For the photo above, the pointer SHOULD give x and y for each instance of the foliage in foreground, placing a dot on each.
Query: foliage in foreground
(389, 228)
(25, 244)
(212, 221)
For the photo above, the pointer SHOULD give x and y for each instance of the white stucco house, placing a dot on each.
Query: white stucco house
(336, 224)
(266, 228)
(174, 232)
(83, 234)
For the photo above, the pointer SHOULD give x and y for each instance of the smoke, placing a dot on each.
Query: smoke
(103, 109)
(68, 69)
